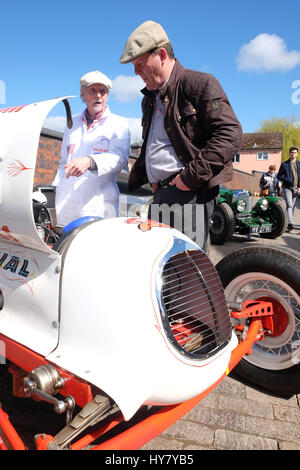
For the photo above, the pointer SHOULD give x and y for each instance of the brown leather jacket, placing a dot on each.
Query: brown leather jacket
(201, 125)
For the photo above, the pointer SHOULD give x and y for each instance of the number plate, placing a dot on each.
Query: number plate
(261, 229)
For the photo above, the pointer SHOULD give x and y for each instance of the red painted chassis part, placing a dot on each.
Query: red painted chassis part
(259, 314)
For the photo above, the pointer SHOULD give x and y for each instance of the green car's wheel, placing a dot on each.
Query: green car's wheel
(278, 217)
(222, 224)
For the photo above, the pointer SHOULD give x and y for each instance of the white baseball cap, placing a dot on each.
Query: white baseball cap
(91, 78)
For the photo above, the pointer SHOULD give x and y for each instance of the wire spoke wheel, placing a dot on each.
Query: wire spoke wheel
(268, 274)
(282, 349)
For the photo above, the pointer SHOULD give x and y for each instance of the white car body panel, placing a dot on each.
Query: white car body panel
(30, 312)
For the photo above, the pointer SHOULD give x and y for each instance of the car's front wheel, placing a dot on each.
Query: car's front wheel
(279, 219)
(269, 274)
(222, 224)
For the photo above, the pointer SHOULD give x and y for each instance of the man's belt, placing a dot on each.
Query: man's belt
(164, 183)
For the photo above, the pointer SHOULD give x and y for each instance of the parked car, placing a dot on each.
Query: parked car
(237, 212)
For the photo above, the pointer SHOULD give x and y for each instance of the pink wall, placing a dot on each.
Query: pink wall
(248, 160)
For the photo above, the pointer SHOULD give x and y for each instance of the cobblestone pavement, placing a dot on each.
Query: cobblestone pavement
(235, 416)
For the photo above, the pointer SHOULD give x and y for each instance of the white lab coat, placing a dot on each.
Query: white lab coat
(96, 192)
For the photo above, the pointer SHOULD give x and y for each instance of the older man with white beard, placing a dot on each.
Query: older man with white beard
(94, 151)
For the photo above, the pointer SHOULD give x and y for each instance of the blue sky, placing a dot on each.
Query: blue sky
(252, 47)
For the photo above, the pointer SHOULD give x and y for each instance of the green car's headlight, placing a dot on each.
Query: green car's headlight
(263, 204)
(241, 205)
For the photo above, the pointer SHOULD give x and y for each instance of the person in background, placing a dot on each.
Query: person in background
(269, 183)
(190, 135)
(94, 151)
(289, 175)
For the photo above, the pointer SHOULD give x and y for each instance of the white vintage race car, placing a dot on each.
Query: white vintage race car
(112, 329)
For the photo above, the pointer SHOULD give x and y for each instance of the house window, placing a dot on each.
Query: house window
(236, 158)
(262, 156)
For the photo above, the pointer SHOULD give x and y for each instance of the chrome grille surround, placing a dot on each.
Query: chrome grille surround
(192, 302)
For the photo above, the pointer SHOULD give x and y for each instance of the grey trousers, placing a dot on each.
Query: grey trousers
(290, 200)
(183, 211)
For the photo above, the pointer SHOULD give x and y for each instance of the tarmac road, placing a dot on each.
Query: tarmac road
(235, 416)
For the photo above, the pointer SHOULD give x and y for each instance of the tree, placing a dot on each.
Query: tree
(289, 128)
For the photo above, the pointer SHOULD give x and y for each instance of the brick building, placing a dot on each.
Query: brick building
(48, 156)
(258, 151)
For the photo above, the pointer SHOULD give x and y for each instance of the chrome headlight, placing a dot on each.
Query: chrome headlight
(263, 204)
(241, 205)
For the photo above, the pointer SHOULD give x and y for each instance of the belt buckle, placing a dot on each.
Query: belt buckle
(164, 183)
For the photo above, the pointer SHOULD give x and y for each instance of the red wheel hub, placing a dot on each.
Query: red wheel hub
(280, 318)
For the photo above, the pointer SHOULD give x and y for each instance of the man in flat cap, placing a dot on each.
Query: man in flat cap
(94, 151)
(190, 134)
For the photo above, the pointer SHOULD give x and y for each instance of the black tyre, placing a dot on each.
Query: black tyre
(279, 219)
(222, 224)
(260, 272)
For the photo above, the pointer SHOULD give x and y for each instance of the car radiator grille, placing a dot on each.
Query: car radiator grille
(195, 315)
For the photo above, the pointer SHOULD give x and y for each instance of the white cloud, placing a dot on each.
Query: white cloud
(135, 127)
(127, 88)
(267, 53)
(55, 123)
(2, 92)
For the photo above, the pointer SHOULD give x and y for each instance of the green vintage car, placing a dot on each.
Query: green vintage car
(238, 211)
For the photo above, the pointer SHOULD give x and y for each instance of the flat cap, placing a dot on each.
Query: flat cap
(91, 78)
(146, 37)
